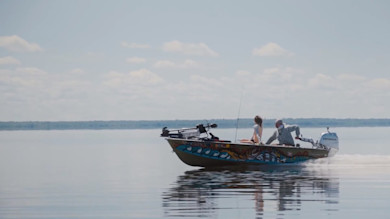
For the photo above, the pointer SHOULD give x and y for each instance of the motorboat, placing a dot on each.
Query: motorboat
(197, 146)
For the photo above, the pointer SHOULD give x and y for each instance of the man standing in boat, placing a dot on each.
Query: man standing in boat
(283, 133)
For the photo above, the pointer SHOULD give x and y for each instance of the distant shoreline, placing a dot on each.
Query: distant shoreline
(157, 124)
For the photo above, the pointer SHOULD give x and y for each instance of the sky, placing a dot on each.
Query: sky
(162, 60)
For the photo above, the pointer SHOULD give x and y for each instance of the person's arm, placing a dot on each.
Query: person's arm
(260, 134)
(295, 128)
(272, 138)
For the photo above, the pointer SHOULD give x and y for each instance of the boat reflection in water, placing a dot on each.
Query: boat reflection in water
(249, 192)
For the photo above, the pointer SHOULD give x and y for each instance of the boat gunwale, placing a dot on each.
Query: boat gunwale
(246, 144)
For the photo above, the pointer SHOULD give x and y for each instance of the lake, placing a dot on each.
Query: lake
(135, 174)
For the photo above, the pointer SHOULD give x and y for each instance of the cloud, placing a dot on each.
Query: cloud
(271, 49)
(243, 73)
(207, 81)
(281, 76)
(351, 78)
(136, 89)
(144, 76)
(31, 71)
(310, 94)
(323, 81)
(21, 78)
(33, 94)
(77, 71)
(164, 64)
(198, 49)
(135, 60)
(17, 44)
(137, 94)
(379, 84)
(94, 54)
(169, 64)
(8, 60)
(141, 77)
(135, 45)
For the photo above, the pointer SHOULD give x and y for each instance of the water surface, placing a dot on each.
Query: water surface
(134, 174)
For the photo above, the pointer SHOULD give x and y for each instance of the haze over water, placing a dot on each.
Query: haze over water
(134, 174)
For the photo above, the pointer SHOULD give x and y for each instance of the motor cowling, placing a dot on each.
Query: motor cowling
(330, 140)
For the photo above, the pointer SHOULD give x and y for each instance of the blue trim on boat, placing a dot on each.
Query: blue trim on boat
(264, 157)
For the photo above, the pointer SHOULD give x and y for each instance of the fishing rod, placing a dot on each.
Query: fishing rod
(238, 115)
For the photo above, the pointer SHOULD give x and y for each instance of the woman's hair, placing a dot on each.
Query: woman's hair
(259, 120)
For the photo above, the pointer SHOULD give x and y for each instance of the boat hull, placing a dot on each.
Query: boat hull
(215, 153)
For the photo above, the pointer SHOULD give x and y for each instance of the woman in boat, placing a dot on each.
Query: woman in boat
(257, 132)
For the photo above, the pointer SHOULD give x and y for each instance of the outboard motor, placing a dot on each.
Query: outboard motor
(330, 140)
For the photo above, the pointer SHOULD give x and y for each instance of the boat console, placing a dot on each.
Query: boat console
(199, 132)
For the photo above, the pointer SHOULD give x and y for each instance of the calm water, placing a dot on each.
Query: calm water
(134, 174)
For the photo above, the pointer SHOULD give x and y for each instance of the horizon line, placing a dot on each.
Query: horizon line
(154, 120)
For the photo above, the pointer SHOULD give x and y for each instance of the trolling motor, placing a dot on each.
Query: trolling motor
(190, 133)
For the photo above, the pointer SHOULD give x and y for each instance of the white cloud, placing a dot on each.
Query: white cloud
(21, 78)
(164, 64)
(17, 44)
(322, 81)
(137, 89)
(281, 76)
(196, 88)
(33, 94)
(351, 78)
(271, 49)
(207, 81)
(270, 71)
(144, 76)
(135, 60)
(8, 60)
(137, 93)
(138, 77)
(309, 95)
(379, 84)
(94, 54)
(199, 49)
(188, 63)
(169, 64)
(77, 71)
(31, 71)
(135, 45)
(243, 73)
